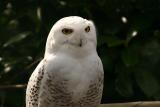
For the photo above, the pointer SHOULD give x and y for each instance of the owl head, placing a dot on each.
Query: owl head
(72, 34)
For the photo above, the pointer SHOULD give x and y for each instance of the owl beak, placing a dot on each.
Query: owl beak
(80, 43)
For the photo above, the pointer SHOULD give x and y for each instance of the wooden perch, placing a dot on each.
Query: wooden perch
(134, 104)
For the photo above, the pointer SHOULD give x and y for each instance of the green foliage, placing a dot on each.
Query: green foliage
(148, 83)
(128, 44)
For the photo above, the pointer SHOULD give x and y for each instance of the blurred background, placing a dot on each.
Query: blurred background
(128, 44)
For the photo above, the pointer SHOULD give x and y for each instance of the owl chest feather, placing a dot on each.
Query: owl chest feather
(81, 74)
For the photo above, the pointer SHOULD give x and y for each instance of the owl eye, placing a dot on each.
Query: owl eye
(87, 29)
(67, 31)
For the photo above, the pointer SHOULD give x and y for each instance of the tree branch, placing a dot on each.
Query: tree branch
(17, 86)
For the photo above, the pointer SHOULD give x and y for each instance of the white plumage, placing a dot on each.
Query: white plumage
(71, 73)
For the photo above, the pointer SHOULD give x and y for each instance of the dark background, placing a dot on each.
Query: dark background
(128, 44)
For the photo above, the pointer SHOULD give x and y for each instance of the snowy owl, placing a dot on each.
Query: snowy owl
(71, 72)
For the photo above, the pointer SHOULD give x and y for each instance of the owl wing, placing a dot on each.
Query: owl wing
(34, 85)
(54, 90)
(46, 88)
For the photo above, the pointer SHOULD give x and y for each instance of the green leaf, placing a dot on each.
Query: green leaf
(113, 41)
(129, 58)
(147, 82)
(124, 84)
(17, 38)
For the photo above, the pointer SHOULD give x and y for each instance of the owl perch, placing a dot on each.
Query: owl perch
(71, 72)
(134, 104)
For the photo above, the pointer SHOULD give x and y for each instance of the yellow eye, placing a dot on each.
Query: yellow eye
(87, 29)
(67, 31)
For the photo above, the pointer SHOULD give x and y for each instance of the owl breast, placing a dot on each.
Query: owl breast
(83, 83)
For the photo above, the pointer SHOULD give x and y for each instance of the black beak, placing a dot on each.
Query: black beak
(80, 43)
